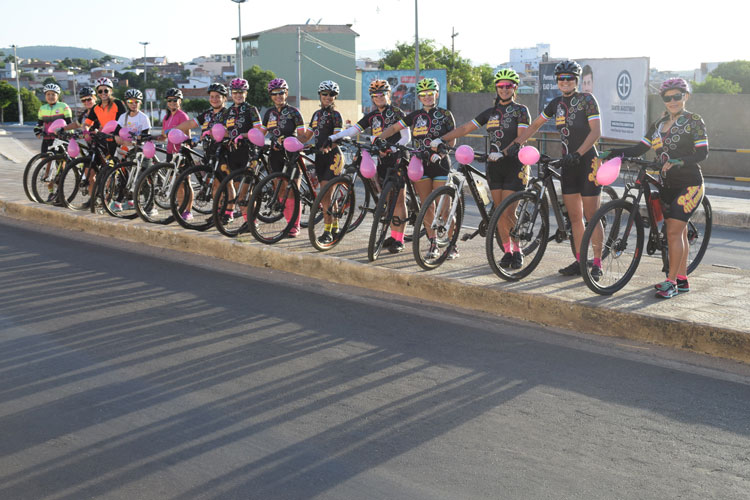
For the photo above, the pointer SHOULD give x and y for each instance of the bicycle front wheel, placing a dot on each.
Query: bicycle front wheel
(362, 193)
(152, 193)
(116, 195)
(622, 247)
(75, 184)
(46, 177)
(447, 211)
(231, 202)
(273, 209)
(335, 205)
(28, 171)
(381, 221)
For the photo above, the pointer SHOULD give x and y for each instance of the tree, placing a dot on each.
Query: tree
(195, 105)
(8, 96)
(717, 85)
(31, 104)
(736, 71)
(258, 79)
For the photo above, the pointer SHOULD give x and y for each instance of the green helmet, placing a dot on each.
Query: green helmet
(428, 84)
(507, 74)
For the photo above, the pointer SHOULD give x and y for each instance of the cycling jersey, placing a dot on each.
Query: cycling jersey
(503, 122)
(286, 122)
(324, 122)
(377, 121)
(100, 116)
(428, 125)
(48, 114)
(241, 118)
(171, 122)
(209, 118)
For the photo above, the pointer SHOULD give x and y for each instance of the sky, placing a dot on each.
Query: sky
(674, 35)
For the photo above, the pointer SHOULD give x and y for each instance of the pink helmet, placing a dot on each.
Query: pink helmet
(674, 84)
(239, 84)
(277, 83)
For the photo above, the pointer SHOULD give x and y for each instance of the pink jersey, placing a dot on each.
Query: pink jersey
(177, 117)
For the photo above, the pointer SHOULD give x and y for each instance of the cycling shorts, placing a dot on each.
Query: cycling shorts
(581, 179)
(327, 166)
(507, 174)
(681, 203)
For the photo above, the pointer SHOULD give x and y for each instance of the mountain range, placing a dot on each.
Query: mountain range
(55, 52)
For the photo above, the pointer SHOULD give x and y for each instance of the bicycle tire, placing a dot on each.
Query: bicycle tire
(114, 191)
(361, 192)
(152, 193)
(699, 235)
(381, 220)
(532, 240)
(243, 182)
(343, 204)
(27, 172)
(448, 231)
(624, 250)
(45, 179)
(267, 220)
(200, 176)
(75, 192)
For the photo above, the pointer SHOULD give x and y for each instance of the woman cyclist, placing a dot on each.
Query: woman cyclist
(680, 142)
(50, 111)
(134, 120)
(108, 109)
(428, 124)
(577, 118)
(505, 121)
(87, 96)
(325, 122)
(282, 121)
(173, 117)
(383, 116)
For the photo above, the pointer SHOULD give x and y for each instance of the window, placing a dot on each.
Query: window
(250, 48)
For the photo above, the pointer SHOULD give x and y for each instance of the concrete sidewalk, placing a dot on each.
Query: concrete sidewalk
(712, 319)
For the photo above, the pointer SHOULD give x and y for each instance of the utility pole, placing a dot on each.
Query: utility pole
(416, 42)
(239, 37)
(299, 67)
(145, 71)
(453, 54)
(18, 87)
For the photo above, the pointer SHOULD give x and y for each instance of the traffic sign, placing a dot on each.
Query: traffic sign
(150, 95)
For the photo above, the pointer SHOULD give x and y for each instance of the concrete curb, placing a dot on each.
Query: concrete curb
(698, 337)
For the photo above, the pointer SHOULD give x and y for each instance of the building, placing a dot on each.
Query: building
(327, 53)
(699, 75)
(527, 60)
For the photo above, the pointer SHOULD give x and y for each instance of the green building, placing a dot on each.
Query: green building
(327, 53)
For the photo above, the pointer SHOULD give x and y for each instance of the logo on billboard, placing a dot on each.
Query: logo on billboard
(624, 85)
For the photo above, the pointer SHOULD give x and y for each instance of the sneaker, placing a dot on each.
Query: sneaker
(516, 260)
(596, 273)
(433, 252)
(388, 242)
(683, 286)
(326, 238)
(131, 204)
(115, 206)
(573, 269)
(294, 232)
(506, 260)
(226, 219)
(153, 212)
(51, 197)
(187, 215)
(667, 290)
(396, 247)
(453, 253)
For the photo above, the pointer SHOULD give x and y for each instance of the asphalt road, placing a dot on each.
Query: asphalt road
(128, 372)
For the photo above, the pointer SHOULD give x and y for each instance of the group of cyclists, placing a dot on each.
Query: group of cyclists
(678, 137)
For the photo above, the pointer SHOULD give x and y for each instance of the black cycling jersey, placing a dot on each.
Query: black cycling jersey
(324, 122)
(503, 122)
(283, 123)
(572, 116)
(377, 121)
(208, 118)
(241, 118)
(428, 125)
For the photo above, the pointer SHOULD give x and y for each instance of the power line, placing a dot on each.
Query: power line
(327, 68)
(332, 48)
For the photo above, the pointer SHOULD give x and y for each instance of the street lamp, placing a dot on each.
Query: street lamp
(239, 36)
(18, 87)
(416, 42)
(144, 61)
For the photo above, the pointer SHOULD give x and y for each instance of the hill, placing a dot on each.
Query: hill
(54, 52)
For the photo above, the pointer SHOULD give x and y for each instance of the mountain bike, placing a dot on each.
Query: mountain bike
(80, 179)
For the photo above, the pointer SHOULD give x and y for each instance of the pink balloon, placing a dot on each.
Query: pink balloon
(56, 125)
(608, 171)
(109, 127)
(465, 154)
(149, 150)
(256, 137)
(367, 166)
(528, 155)
(177, 136)
(292, 144)
(125, 134)
(415, 171)
(73, 148)
(218, 132)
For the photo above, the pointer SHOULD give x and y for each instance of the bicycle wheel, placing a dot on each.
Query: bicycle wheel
(307, 198)
(411, 217)
(45, 179)
(444, 226)
(526, 219)
(233, 197)
(152, 193)
(75, 189)
(28, 171)
(273, 208)
(117, 197)
(699, 233)
(381, 221)
(195, 181)
(623, 245)
(341, 199)
(362, 193)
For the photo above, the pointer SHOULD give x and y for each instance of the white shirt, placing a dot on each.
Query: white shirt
(137, 123)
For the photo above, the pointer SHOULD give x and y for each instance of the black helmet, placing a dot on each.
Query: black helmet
(218, 87)
(174, 92)
(568, 67)
(86, 92)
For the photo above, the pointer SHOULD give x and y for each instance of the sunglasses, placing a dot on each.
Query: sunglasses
(566, 78)
(675, 97)
(103, 91)
(429, 93)
(377, 94)
(327, 94)
(132, 101)
(87, 99)
(278, 92)
(505, 86)
(239, 91)
(171, 99)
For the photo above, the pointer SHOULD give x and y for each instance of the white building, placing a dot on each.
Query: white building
(699, 75)
(527, 60)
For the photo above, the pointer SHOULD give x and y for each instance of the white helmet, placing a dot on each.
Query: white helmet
(103, 81)
(329, 86)
(51, 87)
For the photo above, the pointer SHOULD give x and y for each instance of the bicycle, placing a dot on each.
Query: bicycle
(80, 179)
(624, 236)
(342, 193)
(526, 215)
(57, 148)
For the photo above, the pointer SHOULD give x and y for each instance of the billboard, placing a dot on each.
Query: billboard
(403, 82)
(619, 85)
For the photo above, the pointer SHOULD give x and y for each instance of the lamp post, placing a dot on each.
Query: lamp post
(416, 42)
(239, 36)
(18, 87)
(144, 61)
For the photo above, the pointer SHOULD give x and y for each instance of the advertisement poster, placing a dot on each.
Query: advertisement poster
(620, 87)
(403, 93)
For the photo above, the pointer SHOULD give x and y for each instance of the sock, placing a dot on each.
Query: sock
(515, 247)
(397, 236)
(228, 212)
(335, 224)
(506, 247)
(598, 263)
(288, 209)
(244, 216)
(578, 257)
(681, 278)
(327, 228)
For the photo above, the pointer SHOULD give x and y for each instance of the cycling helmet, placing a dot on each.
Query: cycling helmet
(103, 81)
(134, 94)
(278, 83)
(239, 84)
(507, 74)
(174, 92)
(86, 91)
(379, 86)
(51, 87)
(218, 87)
(428, 84)
(329, 86)
(569, 68)
(674, 84)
